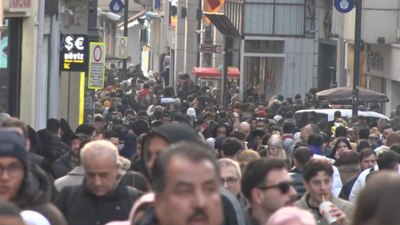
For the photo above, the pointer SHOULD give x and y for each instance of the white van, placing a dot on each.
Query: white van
(328, 114)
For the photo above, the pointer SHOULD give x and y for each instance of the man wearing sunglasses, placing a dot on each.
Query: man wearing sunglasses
(318, 179)
(266, 183)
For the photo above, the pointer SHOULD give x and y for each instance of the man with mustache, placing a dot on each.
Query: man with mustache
(186, 185)
(266, 183)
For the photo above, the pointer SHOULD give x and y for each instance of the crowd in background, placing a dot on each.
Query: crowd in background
(154, 155)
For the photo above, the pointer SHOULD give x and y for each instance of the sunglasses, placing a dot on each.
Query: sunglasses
(284, 187)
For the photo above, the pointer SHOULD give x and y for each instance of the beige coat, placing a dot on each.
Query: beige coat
(345, 206)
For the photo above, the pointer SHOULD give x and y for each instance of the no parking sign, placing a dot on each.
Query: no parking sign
(122, 47)
(96, 65)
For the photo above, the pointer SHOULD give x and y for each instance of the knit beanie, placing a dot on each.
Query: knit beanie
(13, 145)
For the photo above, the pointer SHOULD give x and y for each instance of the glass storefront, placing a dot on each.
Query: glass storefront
(10, 65)
(4, 71)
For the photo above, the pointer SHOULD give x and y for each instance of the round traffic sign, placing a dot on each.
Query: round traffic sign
(122, 41)
(344, 6)
(116, 6)
(97, 53)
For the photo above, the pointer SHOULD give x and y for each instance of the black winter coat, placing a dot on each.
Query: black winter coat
(81, 207)
(35, 194)
(62, 166)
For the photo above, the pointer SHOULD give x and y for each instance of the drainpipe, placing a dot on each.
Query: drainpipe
(41, 78)
(54, 74)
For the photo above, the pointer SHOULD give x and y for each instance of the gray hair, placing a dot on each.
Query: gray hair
(225, 162)
(100, 148)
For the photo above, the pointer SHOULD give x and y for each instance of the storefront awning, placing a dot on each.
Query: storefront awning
(214, 73)
(223, 24)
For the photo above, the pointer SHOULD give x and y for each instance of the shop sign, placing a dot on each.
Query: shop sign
(74, 53)
(19, 5)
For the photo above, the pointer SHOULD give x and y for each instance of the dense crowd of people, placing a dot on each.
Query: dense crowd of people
(156, 156)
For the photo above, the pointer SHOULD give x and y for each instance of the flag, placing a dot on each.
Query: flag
(212, 6)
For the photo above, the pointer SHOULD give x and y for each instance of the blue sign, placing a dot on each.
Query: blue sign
(116, 6)
(157, 4)
(344, 6)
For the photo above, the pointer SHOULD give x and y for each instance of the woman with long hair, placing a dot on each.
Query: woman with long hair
(341, 145)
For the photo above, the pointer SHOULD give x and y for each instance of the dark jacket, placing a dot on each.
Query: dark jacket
(53, 146)
(297, 177)
(63, 165)
(233, 213)
(36, 159)
(35, 195)
(346, 189)
(81, 207)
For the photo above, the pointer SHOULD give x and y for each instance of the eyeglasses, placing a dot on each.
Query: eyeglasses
(12, 170)
(284, 187)
(230, 181)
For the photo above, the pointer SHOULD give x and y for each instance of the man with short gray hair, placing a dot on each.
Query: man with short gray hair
(102, 197)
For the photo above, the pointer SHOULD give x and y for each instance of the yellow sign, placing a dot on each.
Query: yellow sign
(122, 47)
(67, 66)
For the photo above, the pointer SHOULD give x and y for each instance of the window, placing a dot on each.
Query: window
(4, 72)
(275, 17)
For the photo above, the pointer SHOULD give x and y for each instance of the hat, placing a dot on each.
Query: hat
(81, 136)
(98, 117)
(261, 113)
(280, 98)
(191, 112)
(12, 144)
(140, 127)
(34, 218)
(286, 215)
(4, 116)
(278, 118)
(172, 133)
(106, 104)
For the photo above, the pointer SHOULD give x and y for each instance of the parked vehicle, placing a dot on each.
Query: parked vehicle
(328, 114)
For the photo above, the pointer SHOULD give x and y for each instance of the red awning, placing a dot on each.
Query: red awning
(210, 73)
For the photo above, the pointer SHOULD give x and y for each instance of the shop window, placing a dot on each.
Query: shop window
(270, 46)
(4, 71)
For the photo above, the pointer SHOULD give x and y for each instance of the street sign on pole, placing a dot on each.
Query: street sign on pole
(357, 60)
(344, 6)
(116, 6)
(207, 48)
(122, 47)
(97, 62)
